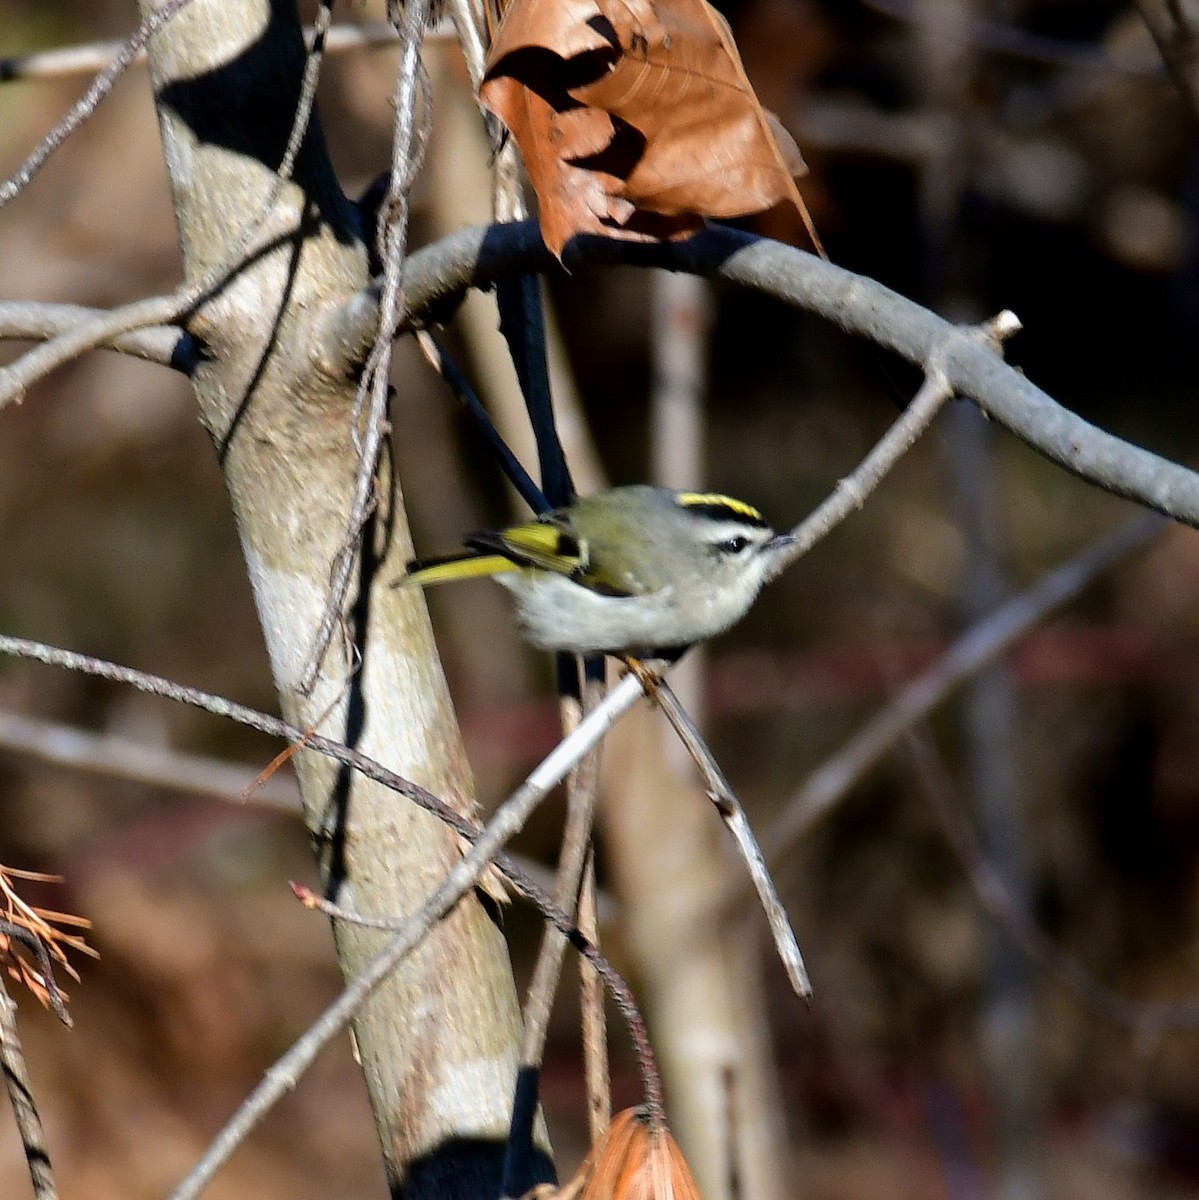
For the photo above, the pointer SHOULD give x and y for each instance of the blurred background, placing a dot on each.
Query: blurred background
(974, 156)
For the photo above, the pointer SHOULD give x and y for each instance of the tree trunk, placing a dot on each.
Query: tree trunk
(276, 392)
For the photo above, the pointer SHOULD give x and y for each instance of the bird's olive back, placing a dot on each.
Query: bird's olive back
(641, 538)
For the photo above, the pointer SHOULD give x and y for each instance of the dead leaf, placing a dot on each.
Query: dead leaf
(635, 118)
(635, 1160)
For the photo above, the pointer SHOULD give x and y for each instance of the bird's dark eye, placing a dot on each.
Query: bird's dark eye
(733, 545)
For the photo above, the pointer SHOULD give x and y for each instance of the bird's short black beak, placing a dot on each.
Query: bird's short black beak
(777, 549)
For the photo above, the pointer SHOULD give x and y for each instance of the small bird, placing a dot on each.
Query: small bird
(637, 570)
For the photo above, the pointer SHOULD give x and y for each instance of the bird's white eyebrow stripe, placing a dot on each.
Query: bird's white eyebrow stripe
(720, 531)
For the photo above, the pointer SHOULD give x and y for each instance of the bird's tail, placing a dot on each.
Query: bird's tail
(424, 572)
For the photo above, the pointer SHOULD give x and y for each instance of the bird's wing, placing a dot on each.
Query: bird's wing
(546, 544)
(543, 544)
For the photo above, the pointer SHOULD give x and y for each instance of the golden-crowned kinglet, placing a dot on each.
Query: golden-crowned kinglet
(639, 570)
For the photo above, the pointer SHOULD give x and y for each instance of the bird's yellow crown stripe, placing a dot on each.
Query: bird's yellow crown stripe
(716, 500)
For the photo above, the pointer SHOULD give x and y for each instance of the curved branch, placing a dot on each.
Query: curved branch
(98, 328)
(980, 645)
(29, 320)
(477, 256)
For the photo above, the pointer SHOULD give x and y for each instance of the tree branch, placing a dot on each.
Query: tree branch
(123, 758)
(1176, 35)
(475, 257)
(1141, 1017)
(30, 320)
(85, 59)
(86, 105)
(981, 644)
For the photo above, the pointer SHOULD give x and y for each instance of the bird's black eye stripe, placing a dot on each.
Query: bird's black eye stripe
(733, 545)
(725, 512)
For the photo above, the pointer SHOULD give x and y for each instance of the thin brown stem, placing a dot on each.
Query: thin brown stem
(1176, 35)
(733, 815)
(156, 685)
(20, 1095)
(576, 840)
(595, 1026)
(598, 964)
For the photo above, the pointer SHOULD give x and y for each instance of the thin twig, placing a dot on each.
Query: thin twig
(374, 388)
(156, 685)
(997, 37)
(123, 758)
(46, 984)
(523, 876)
(20, 1094)
(576, 839)
(988, 886)
(1176, 35)
(535, 894)
(981, 644)
(219, 706)
(593, 1019)
(85, 59)
(852, 491)
(47, 933)
(31, 320)
(17, 377)
(86, 104)
(461, 878)
(733, 815)
(547, 971)
(598, 963)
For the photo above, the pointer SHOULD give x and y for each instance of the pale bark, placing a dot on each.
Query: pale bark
(438, 1043)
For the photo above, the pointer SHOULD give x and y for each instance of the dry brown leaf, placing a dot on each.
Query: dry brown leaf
(635, 118)
(634, 1160)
